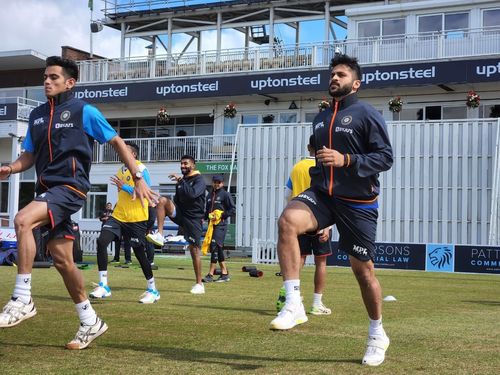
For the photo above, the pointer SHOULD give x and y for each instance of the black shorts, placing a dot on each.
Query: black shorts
(62, 202)
(192, 229)
(151, 219)
(356, 222)
(310, 244)
(136, 232)
(219, 234)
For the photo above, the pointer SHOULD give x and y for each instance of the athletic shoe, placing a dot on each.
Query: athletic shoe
(156, 238)
(100, 291)
(154, 267)
(86, 334)
(150, 296)
(208, 279)
(289, 316)
(281, 299)
(115, 261)
(320, 310)
(223, 279)
(15, 311)
(375, 350)
(128, 262)
(198, 289)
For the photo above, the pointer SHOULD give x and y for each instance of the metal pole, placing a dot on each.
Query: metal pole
(91, 17)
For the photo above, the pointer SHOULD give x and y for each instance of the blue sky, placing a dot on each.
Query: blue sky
(47, 25)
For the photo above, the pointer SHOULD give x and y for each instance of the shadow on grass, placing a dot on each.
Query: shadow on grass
(264, 312)
(190, 355)
(174, 278)
(445, 276)
(486, 303)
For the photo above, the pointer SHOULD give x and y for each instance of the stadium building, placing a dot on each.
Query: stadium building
(430, 54)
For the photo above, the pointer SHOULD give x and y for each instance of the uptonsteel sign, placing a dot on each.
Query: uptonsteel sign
(446, 72)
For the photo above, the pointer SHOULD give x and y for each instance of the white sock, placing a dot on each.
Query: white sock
(376, 328)
(151, 283)
(22, 289)
(317, 299)
(292, 288)
(86, 313)
(103, 277)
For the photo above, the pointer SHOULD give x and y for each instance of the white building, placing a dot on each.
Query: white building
(430, 53)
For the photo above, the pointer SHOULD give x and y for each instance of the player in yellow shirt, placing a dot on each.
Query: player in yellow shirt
(129, 219)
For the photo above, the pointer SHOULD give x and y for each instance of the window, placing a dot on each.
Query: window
(454, 24)
(408, 114)
(433, 112)
(4, 197)
(396, 26)
(309, 116)
(230, 125)
(96, 201)
(249, 119)
(455, 112)
(491, 18)
(288, 118)
(489, 111)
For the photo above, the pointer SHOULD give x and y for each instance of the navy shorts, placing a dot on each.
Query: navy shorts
(356, 223)
(310, 244)
(192, 228)
(136, 232)
(62, 202)
(219, 233)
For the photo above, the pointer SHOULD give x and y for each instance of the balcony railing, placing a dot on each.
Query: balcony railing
(415, 47)
(24, 106)
(202, 148)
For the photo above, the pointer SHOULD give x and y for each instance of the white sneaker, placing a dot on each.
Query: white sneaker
(375, 350)
(156, 238)
(150, 296)
(198, 289)
(320, 310)
(289, 316)
(101, 291)
(86, 334)
(15, 311)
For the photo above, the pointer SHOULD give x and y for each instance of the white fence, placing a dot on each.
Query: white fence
(439, 190)
(202, 148)
(375, 50)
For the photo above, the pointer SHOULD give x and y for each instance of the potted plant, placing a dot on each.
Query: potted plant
(230, 110)
(472, 99)
(162, 117)
(322, 105)
(395, 104)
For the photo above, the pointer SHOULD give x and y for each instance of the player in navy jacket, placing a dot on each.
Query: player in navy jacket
(352, 148)
(59, 143)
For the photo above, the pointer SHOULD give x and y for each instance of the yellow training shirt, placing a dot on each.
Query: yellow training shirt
(300, 180)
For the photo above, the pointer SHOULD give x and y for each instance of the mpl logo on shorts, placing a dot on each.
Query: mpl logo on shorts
(440, 258)
(307, 198)
(360, 250)
(319, 125)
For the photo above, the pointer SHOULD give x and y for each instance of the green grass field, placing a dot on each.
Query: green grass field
(440, 324)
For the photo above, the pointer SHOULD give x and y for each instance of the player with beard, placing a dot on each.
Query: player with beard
(352, 148)
(186, 210)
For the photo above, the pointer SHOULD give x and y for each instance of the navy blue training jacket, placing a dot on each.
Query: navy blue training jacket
(354, 128)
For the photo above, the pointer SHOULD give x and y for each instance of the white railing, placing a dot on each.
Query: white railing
(24, 105)
(113, 7)
(414, 47)
(202, 148)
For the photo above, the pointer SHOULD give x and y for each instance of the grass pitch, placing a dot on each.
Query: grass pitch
(440, 324)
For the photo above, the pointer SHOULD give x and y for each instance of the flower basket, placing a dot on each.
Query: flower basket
(268, 119)
(322, 105)
(473, 99)
(162, 117)
(395, 104)
(230, 110)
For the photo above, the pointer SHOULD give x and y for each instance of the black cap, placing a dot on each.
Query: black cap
(218, 177)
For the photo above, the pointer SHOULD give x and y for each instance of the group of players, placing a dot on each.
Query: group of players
(350, 145)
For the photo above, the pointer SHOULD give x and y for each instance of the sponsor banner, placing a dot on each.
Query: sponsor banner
(387, 255)
(477, 259)
(444, 72)
(440, 257)
(205, 87)
(8, 111)
(215, 167)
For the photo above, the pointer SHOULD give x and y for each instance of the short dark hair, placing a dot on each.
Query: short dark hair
(351, 62)
(312, 141)
(189, 157)
(134, 146)
(69, 67)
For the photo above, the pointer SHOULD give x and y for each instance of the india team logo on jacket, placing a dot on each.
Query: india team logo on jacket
(65, 115)
(346, 120)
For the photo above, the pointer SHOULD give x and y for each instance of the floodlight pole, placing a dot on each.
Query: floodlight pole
(91, 17)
